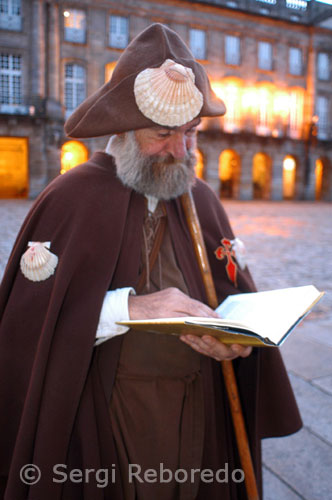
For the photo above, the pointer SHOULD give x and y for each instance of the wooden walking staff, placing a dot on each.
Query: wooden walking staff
(227, 366)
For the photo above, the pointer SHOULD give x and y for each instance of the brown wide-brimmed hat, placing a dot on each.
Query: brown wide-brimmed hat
(114, 108)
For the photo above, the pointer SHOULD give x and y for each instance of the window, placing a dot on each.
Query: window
(265, 56)
(232, 50)
(10, 79)
(297, 4)
(10, 15)
(74, 26)
(323, 66)
(197, 43)
(119, 32)
(295, 61)
(74, 87)
(322, 111)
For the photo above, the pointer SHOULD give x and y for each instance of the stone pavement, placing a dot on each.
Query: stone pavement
(288, 244)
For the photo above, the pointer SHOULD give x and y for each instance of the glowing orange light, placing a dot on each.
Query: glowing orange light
(281, 105)
(288, 177)
(72, 154)
(318, 179)
(289, 164)
(218, 89)
(199, 167)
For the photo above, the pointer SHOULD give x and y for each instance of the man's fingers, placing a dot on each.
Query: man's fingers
(210, 346)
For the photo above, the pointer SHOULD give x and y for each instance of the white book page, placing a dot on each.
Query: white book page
(270, 314)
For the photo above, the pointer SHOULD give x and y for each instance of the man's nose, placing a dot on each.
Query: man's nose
(177, 145)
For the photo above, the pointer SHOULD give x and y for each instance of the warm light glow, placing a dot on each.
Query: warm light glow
(73, 153)
(263, 108)
(230, 91)
(68, 156)
(288, 177)
(261, 176)
(289, 164)
(13, 167)
(229, 173)
(281, 105)
(318, 179)
(199, 167)
(109, 68)
(66, 13)
(296, 113)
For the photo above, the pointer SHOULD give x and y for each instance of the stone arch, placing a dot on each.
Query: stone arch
(289, 166)
(229, 173)
(73, 153)
(261, 176)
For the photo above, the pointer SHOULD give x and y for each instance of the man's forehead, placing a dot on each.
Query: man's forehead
(193, 123)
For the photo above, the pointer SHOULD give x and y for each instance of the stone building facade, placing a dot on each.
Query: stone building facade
(270, 60)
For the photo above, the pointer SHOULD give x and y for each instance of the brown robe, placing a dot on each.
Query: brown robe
(55, 387)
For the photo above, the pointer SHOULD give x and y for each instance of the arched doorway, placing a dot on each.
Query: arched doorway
(72, 154)
(261, 176)
(229, 173)
(288, 177)
(323, 179)
(14, 167)
(199, 167)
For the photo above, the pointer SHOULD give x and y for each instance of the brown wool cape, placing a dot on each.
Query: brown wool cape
(55, 387)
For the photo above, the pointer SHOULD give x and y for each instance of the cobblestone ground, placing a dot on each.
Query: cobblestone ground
(288, 244)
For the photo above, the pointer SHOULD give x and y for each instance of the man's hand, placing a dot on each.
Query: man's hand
(168, 303)
(209, 346)
(172, 303)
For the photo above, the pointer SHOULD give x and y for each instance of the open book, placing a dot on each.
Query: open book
(258, 319)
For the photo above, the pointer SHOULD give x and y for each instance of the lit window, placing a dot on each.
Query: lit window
(323, 66)
(265, 56)
(230, 91)
(10, 15)
(119, 32)
(197, 43)
(272, 2)
(232, 50)
(264, 124)
(296, 4)
(74, 87)
(74, 26)
(322, 111)
(295, 61)
(10, 79)
(296, 107)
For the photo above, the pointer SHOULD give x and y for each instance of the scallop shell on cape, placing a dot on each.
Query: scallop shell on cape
(38, 263)
(168, 95)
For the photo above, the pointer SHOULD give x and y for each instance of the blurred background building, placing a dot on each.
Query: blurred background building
(270, 60)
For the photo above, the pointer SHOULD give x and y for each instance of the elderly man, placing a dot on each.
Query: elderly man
(97, 411)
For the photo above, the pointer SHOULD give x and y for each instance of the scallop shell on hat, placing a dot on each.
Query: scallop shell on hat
(168, 95)
(38, 263)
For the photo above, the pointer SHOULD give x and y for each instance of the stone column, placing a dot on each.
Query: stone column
(245, 188)
(37, 67)
(54, 53)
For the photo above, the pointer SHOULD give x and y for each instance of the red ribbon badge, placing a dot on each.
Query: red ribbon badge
(226, 251)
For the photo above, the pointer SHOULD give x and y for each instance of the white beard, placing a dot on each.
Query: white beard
(162, 177)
